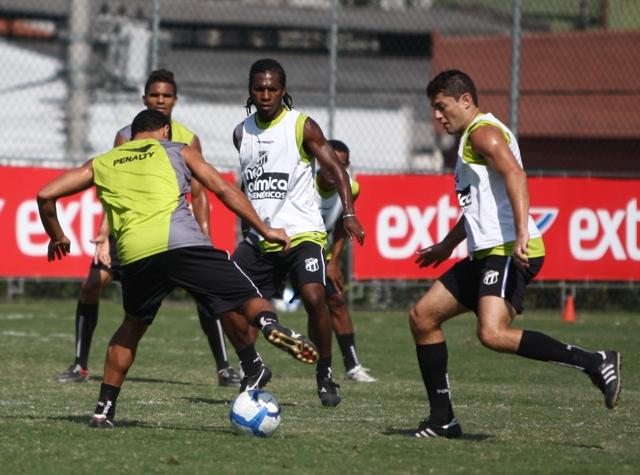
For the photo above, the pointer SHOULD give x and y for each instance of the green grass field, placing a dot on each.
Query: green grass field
(518, 416)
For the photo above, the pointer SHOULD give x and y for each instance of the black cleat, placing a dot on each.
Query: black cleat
(256, 381)
(428, 429)
(73, 374)
(228, 377)
(328, 392)
(295, 344)
(607, 377)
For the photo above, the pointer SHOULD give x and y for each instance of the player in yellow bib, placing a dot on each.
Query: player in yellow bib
(505, 253)
(142, 186)
(161, 94)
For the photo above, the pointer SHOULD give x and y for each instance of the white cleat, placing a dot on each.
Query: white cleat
(360, 374)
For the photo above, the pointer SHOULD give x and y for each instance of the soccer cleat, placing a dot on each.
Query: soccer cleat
(360, 374)
(607, 377)
(295, 344)
(73, 374)
(328, 392)
(101, 421)
(428, 429)
(228, 377)
(257, 381)
(103, 415)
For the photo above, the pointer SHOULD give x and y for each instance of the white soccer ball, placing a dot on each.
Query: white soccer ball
(255, 412)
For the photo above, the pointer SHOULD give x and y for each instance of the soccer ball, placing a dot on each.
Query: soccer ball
(255, 412)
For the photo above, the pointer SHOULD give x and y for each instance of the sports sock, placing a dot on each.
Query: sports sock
(250, 360)
(538, 346)
(323, 368)
(213, 330)
(265, 318)
(86, 321)
(432, 360)
(347, 343)
(107, 400)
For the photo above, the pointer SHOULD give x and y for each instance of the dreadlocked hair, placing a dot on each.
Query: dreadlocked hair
(272, 66)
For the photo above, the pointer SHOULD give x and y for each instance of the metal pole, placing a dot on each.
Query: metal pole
(78, 61)
(155, 33)
(514, 96)
(333, 67)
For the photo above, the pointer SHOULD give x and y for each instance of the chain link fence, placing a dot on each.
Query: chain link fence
(74, 72)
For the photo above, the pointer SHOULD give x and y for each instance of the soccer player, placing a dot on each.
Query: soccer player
(506, 252)
(277, 146)
(331, 210)
(161, 94)
(142, 186)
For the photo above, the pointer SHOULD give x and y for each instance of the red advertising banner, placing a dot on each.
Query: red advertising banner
(589, 225)
(24, 242)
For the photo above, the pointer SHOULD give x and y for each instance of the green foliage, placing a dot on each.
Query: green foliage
(519, 416)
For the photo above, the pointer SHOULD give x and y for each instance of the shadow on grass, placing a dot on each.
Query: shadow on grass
(410, 432)
(225, 402)
(128, 423)
(146, 380)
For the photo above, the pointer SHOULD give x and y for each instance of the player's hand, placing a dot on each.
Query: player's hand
(521, 251)
(102, 253)
(58, 248)
(433, 255)
(354, 229)
(335, 276)
(278, 236)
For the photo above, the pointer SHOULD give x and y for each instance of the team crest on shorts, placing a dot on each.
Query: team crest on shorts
(490, 277)
(311, 264)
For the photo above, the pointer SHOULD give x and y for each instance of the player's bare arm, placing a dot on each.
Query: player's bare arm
(199, 199)
(67, 184)
(440, 252)
(101, 254)
(231, 196)
(237, 136)
(316, 145)
(490, 142)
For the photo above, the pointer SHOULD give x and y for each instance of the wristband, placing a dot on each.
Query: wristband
(348, 215)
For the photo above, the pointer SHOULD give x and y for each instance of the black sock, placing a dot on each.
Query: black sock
(86, 321)
(323, 368)
(213, 330)
(432, 360)
(107, 400)
(538, 346)
(347, 343)
(250, 360)
(264, 318)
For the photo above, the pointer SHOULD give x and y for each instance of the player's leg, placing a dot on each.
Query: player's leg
(217, 282)
(306, 266)
(212, 328)
(426, 318)
(121, 353)
(496, 313)
(86, 322)
(345, 334)
(144, 286)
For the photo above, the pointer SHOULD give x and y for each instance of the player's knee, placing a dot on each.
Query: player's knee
(315, 300)
(90, 291)
(419, 322)
(491, 337)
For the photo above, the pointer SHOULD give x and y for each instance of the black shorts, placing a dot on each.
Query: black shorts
(116, 269)
(469, 280)
(208, 274)
(304, 263)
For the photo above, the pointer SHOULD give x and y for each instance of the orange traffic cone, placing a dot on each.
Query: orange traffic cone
(569, 313)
